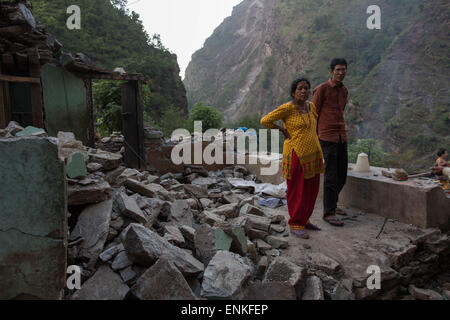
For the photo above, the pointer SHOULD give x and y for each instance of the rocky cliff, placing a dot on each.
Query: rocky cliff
(398, 76)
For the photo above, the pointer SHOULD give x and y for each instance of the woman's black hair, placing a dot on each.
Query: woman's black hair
(296, 82)
(441, 151)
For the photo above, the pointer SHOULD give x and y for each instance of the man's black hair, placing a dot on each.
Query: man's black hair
(441, 151)
(296, 82)
(337, 61)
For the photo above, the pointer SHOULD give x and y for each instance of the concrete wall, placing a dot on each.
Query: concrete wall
(33, 219)
(406, 201)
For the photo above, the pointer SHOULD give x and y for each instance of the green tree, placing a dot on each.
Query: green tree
(170, 120)
(210, 117)
(371, 148)
(107, 96)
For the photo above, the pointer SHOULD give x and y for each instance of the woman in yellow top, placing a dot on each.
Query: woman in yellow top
(302, 155)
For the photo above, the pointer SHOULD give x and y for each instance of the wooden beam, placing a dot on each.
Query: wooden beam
(4, 77)
(90, 108)
(15, 30)
(140, 124)
(37, 105)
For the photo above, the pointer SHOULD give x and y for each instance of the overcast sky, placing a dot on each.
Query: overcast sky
(183, 25)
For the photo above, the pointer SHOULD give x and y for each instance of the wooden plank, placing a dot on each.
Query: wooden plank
(14, 30)
(140, 124)
(4, 77)
(37, 105)
(90, 108)
(3, 116)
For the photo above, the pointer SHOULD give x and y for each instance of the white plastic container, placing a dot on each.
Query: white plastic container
(362, 164)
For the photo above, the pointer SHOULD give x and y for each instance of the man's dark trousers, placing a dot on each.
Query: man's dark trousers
(336, 163)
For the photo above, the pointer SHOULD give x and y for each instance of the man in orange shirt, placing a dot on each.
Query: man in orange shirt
(330, 99)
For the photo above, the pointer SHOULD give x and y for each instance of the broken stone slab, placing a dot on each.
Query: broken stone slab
(251, 248)
(121, 261)
(93, 167)
(128, 275)
(250, 209)
(188, 233)
(402, 256)
(262, 267)
(180, 213)
(153, 179)
(269, 291)
(87, 194)
(206, 203)
(202, 181)
(93, 227)
(323, 262)
(284, 271)
(424, 294)
(174, 236)
(76, 167)
(228, 210)
(231, 197)
(110, 253)
(256, 234)
(262, 245)
(13, 128)
(129, 208)
(128, 173)
(105, 284)
(32, 131)
(198, 191)
(277, 228)
(257, 222)
(151, 190)
(225, 276)
(111, 176)
(277, 242)
(211, 218)
(162, 281)
(144, 247)
(208, 240)
(313, 289)
(108, 160)
(438, 244)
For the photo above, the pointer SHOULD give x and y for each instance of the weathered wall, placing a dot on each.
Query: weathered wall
(33, 219)
(65, 103)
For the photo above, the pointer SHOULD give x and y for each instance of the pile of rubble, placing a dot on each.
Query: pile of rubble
(207, 235)
(114, 143)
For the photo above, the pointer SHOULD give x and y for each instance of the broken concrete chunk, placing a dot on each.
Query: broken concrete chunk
(129, 208)
(174, 236)
(225, 275)
(180, 213)
(110, 253)
(93, 227)
(262, 245)
(121, 261)
(108, 160)
(188, 233)
(92, 193)
(128, 173)
(251, 248)
(211, 218)
(111, 176)
(262, 267)
(76, 166)
(228, 210)
(250, 209)
(144, 247)
(13, 127)
(197, 190)
(270, 291)
(277, 242)
(150, 190)
(256, 234)
(105, 284)
(313, 289)
(201, 181)
(277, 228)
(284, 271)
(424, 294)
(323, 262)
(257, 222)
(93, 166)
(205, 242)
(163, 281)
(128, 275)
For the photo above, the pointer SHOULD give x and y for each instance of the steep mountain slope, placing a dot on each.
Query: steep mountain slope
(111, 36)
(398, 76)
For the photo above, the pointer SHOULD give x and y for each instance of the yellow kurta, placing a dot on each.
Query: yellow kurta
(304, 140)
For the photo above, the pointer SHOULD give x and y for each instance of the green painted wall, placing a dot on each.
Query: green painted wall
(33, 219)
(64, 103)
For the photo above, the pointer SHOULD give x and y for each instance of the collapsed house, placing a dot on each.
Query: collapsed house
(167, 231)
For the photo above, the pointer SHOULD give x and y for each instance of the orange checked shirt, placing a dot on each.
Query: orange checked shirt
(304, 140)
